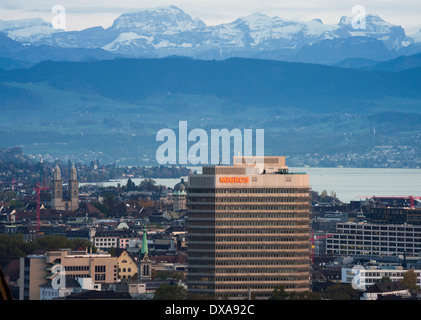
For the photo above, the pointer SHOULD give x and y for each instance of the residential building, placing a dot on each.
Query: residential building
(106, 239)
(384, 290)
(127, 266)
(248, 229)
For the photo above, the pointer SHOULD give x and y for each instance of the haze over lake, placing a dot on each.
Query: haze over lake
(348, 183)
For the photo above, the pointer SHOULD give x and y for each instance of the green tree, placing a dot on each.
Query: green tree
(112, 252)
(279, 293)
(170, 292)
(410, 280)
(16, 204)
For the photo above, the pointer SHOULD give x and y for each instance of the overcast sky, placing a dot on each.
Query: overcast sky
(81, 14)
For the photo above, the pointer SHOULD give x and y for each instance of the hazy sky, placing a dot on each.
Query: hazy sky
(81, 14)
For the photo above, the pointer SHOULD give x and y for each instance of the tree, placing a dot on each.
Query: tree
(130, 186)
(410, 280)
(341, 292)
(279, 293)
(170, 292)
(16, 204)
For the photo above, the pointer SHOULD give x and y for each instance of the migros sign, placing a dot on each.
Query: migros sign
(234, 179)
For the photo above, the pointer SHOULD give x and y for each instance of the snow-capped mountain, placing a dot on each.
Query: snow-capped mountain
(27, 30)
(169, 30)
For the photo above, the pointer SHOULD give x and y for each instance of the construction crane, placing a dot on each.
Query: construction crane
(313, 237)
(38, 189)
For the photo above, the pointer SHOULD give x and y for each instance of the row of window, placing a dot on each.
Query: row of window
(377, 227)
(246, 199)
(249, 231)
(247, 190)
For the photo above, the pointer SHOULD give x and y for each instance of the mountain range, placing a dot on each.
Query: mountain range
(167, 31)
(105, 92)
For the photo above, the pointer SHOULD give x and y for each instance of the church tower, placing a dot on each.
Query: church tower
(56, 188)
(73, 189)
(70, 202)
(145, 261)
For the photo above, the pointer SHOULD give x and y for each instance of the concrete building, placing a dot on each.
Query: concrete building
(364, 277)
(248, 229)
(37, 270)
(374, 239)
(33, 274)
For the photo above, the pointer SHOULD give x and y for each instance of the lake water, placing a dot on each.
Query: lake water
(348, 183)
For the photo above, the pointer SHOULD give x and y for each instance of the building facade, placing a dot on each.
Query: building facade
(366, 276)
(374, 239)
(248, 229)
(37, 270)
(179, 196)
(127, 266)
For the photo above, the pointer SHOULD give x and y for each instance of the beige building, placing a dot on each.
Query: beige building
(127, 266)
(248, 229)
(37, 270)
(179, 196)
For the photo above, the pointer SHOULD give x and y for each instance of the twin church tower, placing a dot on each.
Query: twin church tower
(71, 201)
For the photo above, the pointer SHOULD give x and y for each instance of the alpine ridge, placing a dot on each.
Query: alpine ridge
(167, 31)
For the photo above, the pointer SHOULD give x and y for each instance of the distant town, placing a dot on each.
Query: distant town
(60, 240)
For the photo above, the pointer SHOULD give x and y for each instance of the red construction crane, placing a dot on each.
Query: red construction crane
(38, 190)
(313, 237)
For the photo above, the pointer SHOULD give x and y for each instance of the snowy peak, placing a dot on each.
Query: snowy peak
(26, 30)
(164, 31)
(373, 26)
(162, 20)
(11, 25)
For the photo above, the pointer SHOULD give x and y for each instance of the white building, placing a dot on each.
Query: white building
(363, 277)
(54, 289)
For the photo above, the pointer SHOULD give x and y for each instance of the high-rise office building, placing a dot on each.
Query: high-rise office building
(248, 229)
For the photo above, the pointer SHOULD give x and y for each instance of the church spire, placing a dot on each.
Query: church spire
(73, 173)
(56, 173)
(144, 242)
